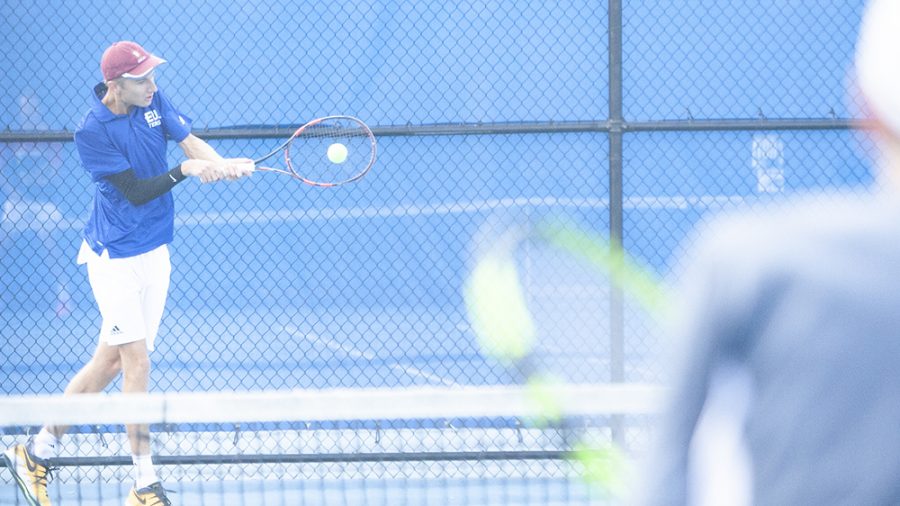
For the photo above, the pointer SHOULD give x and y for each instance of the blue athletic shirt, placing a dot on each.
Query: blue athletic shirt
(111, 143)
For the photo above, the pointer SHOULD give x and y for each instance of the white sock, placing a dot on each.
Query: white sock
(144, 473)
(44, 444)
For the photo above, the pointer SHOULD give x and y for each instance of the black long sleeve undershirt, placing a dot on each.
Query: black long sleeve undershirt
(141, 191)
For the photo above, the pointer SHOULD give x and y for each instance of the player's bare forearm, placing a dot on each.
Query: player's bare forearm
(207, 164)
(196, 148)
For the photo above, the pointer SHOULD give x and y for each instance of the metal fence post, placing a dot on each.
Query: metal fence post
(616, 121)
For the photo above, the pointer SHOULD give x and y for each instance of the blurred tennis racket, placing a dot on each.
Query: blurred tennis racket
(325, 152)
(539, 300)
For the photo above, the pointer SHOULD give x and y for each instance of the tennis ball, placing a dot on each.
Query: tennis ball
(337, 153)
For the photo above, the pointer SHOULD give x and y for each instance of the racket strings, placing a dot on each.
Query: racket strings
(308, 154)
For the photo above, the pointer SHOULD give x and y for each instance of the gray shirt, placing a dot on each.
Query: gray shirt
(806, 297)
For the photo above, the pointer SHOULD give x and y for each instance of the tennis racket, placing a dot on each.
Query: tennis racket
(539, 302)
(326, 152)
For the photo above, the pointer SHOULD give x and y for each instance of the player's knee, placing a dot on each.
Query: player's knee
(107, 366)
(137, 365)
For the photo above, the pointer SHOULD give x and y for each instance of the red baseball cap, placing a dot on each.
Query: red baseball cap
(127, 59)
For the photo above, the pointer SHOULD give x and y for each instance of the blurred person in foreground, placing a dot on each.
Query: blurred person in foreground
(803, 298)
(123, 146)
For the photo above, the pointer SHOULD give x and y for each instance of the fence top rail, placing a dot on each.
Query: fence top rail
(503, 128)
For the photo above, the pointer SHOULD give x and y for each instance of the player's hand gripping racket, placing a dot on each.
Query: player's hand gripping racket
(328, 151)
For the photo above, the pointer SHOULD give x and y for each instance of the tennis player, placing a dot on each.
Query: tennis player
(122, 144)
(798, 307)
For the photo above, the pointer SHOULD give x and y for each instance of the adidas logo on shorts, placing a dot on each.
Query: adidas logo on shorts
(115, 331)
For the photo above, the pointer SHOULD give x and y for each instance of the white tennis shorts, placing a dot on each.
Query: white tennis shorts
(131, 293)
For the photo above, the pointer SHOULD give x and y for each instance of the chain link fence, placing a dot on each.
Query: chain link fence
(634, 119)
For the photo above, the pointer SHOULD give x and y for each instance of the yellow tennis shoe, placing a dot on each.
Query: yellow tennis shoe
(30, 472)
(154, 495)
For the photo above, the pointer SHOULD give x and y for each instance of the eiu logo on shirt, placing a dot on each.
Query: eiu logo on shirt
(153, 118)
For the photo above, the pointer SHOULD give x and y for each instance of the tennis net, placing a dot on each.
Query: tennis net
(423, 445)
